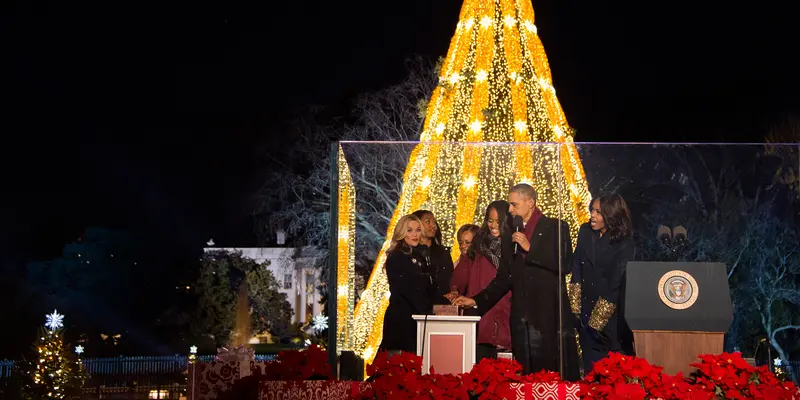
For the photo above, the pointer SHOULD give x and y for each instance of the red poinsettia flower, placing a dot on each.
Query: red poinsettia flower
(395, 365)
(628, 391)
(542, 377)
(299, 365)
(491, 375)
(620, 376)
(728, 375)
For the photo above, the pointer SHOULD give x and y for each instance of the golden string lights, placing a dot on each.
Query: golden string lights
(345, 272)
(494, 102)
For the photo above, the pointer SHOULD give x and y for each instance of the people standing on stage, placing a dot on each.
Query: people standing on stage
(437, 256)
(410, 287)
(533, 271)
(476, 271)
(596, 290)
(464, 236)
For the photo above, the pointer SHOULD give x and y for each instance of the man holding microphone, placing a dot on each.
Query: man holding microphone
(535, 257)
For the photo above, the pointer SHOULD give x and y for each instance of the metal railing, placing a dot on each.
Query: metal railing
(132, 366)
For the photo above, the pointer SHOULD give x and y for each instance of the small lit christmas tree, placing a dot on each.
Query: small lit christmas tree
(56, 373)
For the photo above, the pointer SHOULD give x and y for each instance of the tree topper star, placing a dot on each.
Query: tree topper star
(54, 321)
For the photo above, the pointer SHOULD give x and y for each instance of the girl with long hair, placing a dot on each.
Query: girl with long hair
(476, 271)
(437, 256)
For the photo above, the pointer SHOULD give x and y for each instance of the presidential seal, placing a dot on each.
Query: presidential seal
(678, 290)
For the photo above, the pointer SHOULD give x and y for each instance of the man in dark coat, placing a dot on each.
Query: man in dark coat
(542, 329)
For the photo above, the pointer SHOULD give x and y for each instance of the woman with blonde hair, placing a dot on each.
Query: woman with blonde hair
(411, 289)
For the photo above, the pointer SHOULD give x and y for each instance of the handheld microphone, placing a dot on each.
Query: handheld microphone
(426, 254)
(518, 225)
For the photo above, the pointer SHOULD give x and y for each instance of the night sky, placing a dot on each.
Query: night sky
(150, 116)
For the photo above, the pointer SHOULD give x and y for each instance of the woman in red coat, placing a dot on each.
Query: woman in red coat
(465, 235)
(474, 273)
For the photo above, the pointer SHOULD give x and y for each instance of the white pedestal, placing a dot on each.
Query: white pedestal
(447, 342)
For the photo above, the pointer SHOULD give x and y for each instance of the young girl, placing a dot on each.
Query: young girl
(437, 256)
(476, 271)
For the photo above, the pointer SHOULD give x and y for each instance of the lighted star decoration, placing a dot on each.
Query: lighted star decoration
(79, 349)
(54, 321)
(193, 350)
(777, 362)
(319, 323)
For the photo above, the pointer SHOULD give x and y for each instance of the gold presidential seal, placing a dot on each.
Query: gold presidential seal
(678, 290)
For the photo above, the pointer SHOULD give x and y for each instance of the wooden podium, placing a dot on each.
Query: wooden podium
(447, 342)
(677, 311)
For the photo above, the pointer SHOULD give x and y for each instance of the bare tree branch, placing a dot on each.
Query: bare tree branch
(299, 203)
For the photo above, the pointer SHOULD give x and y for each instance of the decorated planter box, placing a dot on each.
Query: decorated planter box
(310, 390)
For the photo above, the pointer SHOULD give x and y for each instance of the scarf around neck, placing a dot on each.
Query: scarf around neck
(491, 250)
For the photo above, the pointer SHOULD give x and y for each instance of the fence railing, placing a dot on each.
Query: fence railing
(128, 371)
(169, 392)
(6, 366)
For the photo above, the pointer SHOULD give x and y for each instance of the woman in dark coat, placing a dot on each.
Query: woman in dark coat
(437, 256)
(596, 288)
(410, 287)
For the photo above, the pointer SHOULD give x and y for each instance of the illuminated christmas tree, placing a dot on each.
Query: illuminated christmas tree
(55, 372)
(495, 86)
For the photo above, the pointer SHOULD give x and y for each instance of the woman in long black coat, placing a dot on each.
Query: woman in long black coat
(597, 285)
(410, 287)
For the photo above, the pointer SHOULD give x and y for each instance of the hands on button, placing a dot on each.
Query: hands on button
(463, 301)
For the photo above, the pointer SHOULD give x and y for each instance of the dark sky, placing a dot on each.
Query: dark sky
(146, 115)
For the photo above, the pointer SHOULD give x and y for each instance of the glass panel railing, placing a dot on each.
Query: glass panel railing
(450, 186)
(708, 222)
(688, 204)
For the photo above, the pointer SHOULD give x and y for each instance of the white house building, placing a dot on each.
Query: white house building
(294, 270)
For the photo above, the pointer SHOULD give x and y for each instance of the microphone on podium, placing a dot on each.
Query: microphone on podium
(518, 225)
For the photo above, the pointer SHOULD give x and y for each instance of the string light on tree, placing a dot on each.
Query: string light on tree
(192, 354)
(493, 121)
(55, 373)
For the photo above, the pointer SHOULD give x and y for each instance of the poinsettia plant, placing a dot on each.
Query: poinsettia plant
(308, 364)
(619, 376)
(397, 364)
(399, 376)
(729, 376)
(490, 377)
